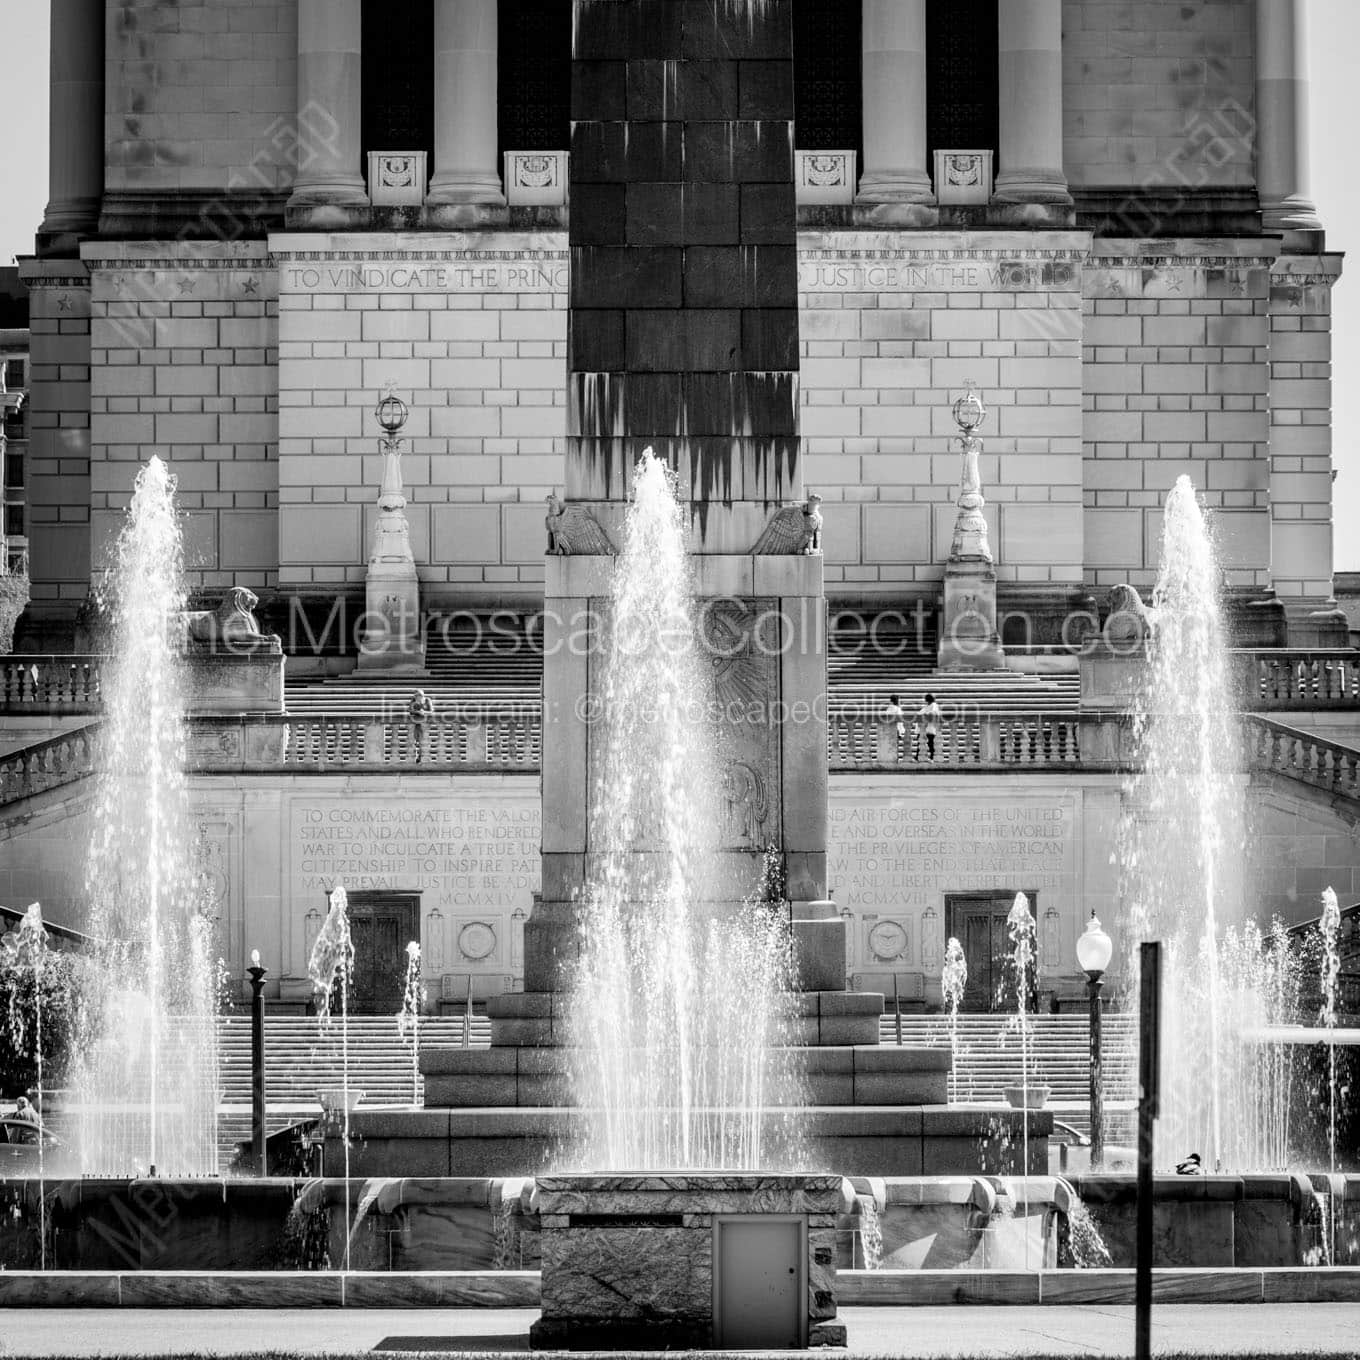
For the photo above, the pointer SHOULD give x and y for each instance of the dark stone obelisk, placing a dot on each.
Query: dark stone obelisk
(684, 337)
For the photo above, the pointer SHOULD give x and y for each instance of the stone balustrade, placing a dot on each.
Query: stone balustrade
(50, 684)
(48, 764)
(1281, 680)
(468, 740)
(1274, 748)
(1028, 741)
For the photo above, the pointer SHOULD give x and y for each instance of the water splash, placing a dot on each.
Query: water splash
(953, 982)
(1182, 846)
(1020, 926)
(408, 1018)
(331, 969)
(869, 1232)
(1088, 1248)
(1329, 927)
(26, 956)
(145, 1084)
(682, 1010)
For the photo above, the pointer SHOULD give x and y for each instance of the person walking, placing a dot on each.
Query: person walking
(895, 714)
(928, 725)
(25, 1113)
(419, 712)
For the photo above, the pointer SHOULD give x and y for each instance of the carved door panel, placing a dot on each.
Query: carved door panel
(979, 922)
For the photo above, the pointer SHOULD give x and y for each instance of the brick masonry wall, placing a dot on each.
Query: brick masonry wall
(891, 328)
(200, 95)
(59, 433)
(184, 349)
(1106, 377)
(1159, 94)
(472, 329)
(1175, 382)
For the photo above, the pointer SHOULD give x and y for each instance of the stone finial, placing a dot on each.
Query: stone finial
(970, 528)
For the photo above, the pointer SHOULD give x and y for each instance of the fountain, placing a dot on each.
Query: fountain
(683, 1016)
(953, 983)
(145, 1080)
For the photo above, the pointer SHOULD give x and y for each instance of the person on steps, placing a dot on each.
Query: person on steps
(928, 724)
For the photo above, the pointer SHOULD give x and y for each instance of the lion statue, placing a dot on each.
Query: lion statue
(1129, 621)
(230, 624)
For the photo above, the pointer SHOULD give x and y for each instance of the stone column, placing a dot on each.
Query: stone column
(1029, 40)
(465, 170)
(1282, 117)
(75, 173)
(329, 190)
(894, 82)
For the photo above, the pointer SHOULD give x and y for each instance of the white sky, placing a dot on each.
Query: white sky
(1334, 34)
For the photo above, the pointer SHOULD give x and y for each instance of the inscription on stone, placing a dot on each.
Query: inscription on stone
(500, 274)
(479, 853)
(890, 853)
(893, 273)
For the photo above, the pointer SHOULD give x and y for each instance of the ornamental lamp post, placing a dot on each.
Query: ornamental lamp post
(1093, 955)
(258, 1129)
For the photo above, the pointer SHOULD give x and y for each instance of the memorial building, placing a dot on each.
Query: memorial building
(265, 214)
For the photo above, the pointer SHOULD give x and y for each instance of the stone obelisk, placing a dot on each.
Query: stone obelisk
(684, 337)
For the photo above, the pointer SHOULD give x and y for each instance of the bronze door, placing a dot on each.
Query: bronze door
(381, 925)
(979, 922)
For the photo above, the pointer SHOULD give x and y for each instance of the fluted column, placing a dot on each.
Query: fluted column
(75, 175)
(894, 93)
(1282, 117)
(465, 42)
(1029, 42)
(329, 189)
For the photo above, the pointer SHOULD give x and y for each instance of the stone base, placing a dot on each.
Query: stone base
(730, 1260)
(869, 1140)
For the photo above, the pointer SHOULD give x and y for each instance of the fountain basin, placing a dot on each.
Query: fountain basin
(733, 1260)
(1211, 1221)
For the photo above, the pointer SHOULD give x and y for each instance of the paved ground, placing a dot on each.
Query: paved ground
(1178, 1329)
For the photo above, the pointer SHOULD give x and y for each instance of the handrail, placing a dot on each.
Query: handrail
(51, 683)
(1272, 680)
(1276, 748)
(1038, 740)
(48, 764)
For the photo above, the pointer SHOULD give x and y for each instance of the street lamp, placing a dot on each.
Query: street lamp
(258, 1129)
(1093, 955)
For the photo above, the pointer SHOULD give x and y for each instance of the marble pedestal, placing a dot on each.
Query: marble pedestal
(727, 1260)
(243, 675)
(968, 636)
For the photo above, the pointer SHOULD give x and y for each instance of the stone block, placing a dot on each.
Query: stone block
(599, 215)
(1042, 534)
(764, 89)
(819, 955)
(620, 153)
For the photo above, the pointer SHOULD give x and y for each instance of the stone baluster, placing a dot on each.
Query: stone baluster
(1029, 40)
(893, 38)
(466, 178)
(328, 189)
(1282, 177)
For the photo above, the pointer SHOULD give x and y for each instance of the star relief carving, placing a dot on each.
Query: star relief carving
(250, 286)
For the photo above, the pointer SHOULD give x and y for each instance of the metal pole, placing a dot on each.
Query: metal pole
(1093, 985)
(1149, 1065)
(258, 1129)
(467, 1021)
(897, 1011)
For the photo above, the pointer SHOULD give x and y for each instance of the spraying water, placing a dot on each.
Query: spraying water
(331, 969)
(953, 982)
(682, 1011)
(145, 1084)
(28, 949)
(1020, 925)
(408, 1020)
(1329, 927)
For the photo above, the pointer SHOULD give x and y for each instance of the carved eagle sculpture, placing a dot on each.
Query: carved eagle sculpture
(574, 532)
(793, 530)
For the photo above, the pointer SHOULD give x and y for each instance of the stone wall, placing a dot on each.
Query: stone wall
(1158, 95)
(472, 329)
(201, 96)
(185, 365)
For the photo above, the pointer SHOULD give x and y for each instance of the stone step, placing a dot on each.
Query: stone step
(531, 1077)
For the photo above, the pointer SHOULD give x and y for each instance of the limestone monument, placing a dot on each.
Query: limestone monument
(392, 639)
(968, 635)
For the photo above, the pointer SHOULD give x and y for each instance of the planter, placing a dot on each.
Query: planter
(1033, 1097)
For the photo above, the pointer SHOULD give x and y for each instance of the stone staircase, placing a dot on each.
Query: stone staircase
(989, 1056)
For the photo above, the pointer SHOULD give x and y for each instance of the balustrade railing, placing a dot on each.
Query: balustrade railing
(472, 740)
(1274, 748)
(859, 741)
(1282, 680)
(50, 684)
(48, 764)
